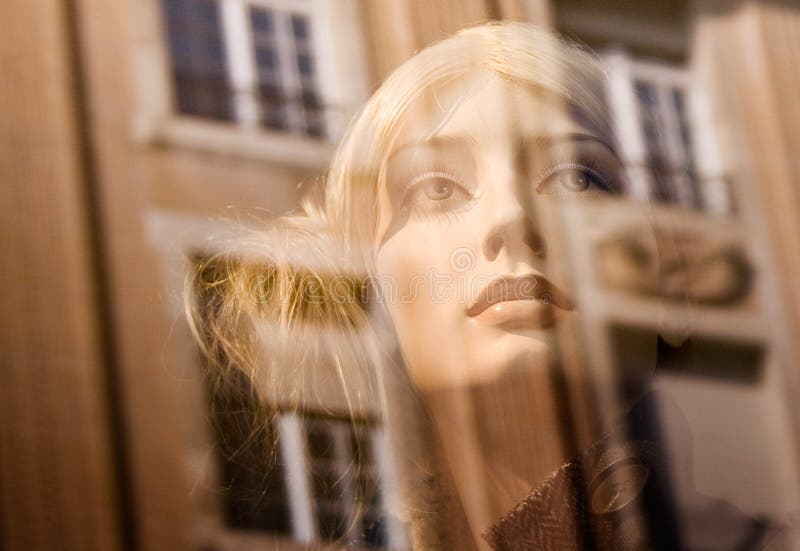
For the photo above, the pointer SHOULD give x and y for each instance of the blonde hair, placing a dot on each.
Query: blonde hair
(521, 53)
(270, 287)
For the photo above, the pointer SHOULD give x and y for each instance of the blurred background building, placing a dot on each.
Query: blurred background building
(131, 128)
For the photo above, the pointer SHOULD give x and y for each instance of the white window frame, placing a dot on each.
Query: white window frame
(297, 461)
(624, 71)
(340, 73)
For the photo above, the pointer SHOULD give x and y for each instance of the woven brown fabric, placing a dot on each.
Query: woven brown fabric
(612, 498)
(557, 516)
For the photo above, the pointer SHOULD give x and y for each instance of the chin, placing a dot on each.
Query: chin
(510, 351)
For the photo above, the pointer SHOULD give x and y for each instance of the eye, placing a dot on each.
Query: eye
(572, 178)
(435, 191)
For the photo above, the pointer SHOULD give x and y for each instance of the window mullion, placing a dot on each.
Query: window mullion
(385, 471)
(714, 188)
(287, 63)
(672, 131)
(291, 431)
(345, 467)
(628, 125)
(241, 62)
(678, 156)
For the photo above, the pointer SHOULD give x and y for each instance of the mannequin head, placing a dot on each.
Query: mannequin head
(446, 186)
(449, 195)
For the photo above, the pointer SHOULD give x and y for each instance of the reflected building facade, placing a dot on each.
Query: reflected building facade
(173, 115)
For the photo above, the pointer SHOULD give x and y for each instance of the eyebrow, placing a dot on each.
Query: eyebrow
(552, 140)
(540, 141)
(436, 142)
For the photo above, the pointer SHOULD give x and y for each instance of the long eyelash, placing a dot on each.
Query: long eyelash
(432, 174)
(442, 215)
(590, 165)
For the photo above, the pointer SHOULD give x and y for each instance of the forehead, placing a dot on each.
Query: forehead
(486, 109)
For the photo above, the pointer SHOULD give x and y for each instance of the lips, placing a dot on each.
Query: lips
(526, 300)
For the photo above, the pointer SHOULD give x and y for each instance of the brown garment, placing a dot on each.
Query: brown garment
(612, 497)
(573, 508)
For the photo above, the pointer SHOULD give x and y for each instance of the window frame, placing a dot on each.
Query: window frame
(191, 238)
(713, 189)
(340, 63)
(293, 431)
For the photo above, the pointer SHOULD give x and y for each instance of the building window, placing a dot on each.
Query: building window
(250, 62)
(653, 108)
(253, 482)
(199, 60)
(306, 475)
(324, 484)
(335, 479)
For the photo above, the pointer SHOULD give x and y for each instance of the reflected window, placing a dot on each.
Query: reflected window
(342, 464)
(307, 475)
(194, 29)
(249, 62)
(323, 484)
(660, 135)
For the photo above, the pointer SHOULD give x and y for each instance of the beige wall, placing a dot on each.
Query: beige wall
(57, 472)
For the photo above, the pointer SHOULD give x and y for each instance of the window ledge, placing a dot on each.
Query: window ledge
(228, 139)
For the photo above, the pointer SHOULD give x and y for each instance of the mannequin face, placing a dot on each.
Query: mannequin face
(478, 170)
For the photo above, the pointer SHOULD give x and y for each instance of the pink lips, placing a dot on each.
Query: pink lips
(518, 302)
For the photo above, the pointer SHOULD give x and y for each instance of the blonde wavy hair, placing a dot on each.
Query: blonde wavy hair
(265, 310)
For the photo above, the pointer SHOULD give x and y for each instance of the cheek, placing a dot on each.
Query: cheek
(406, 265)
(418, 291)
(423, 263)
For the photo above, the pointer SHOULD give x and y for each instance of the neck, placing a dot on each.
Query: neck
(498, 441)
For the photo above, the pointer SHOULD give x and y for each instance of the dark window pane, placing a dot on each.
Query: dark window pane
(207, 13)
(276, 104)
(262, 20)
(253, 479)
(679, 99)
(174, 8)
(214, 52)
(203, 96)
(315, 130)
(197, 49)
(365, 482)
(270, 88)
(657, 150)
(361, 447)
(375, 532)
(304, 64)
(651, 123)
(327, 484)
(273, 114)
(320, 442)
(299, 27)
(310, 99)
(331, 525)
(266, 58)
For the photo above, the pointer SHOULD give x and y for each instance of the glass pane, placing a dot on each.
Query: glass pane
(299, 27)
(262, 20)
(266, 58)
(548, 360)
(198, 58)
(658, 153)
(304, 64)
(374, 532)
(331, 525)
(320, 441)
(679, 101)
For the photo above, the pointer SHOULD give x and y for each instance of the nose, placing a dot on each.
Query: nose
(514, 230)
